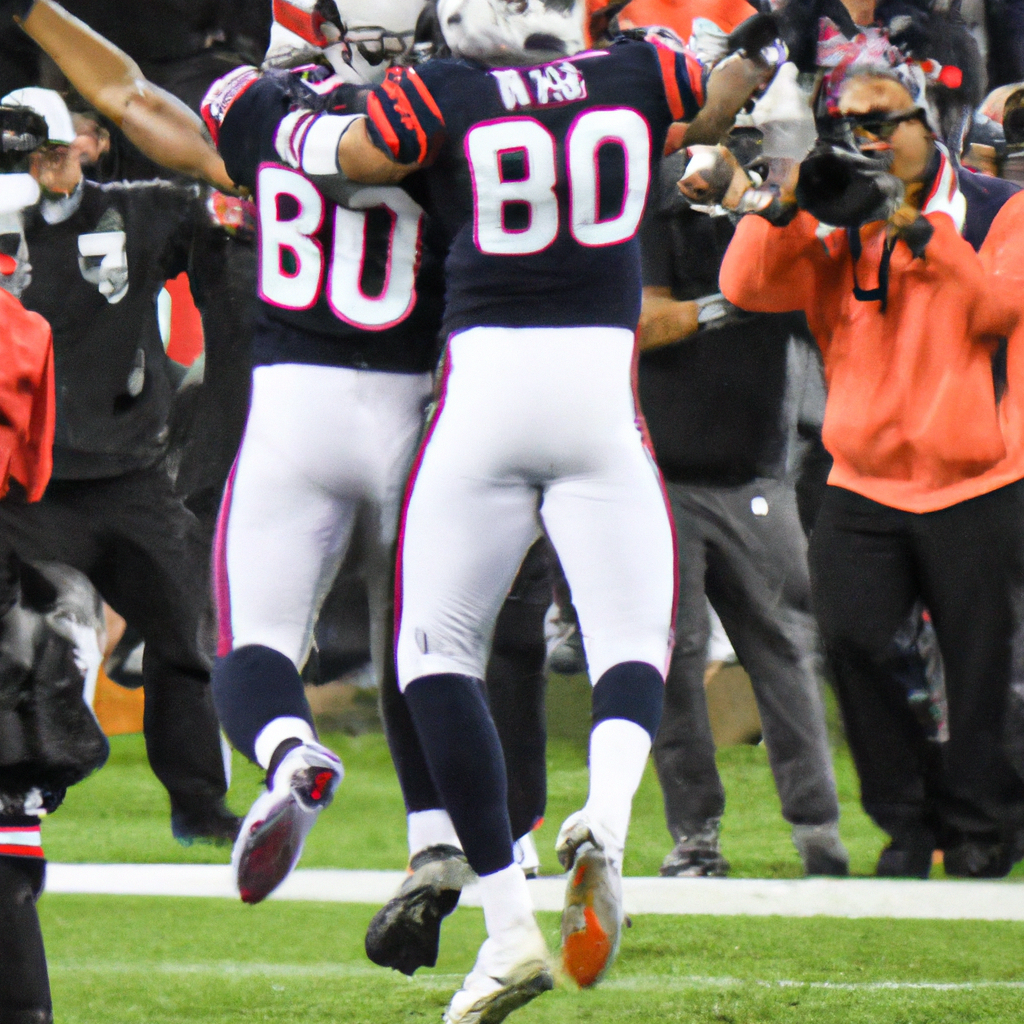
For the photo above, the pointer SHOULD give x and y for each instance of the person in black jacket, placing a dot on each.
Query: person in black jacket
(101, 254)
(726, 396)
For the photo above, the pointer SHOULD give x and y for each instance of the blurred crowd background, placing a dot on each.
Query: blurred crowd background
(152, 389)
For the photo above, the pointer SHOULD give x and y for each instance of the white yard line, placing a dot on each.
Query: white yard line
(619, 982)
(853, 897)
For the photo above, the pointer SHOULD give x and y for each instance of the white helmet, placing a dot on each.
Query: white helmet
(512, 32)
(361, 36)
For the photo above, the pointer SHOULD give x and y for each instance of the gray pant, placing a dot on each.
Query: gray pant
(753, 568)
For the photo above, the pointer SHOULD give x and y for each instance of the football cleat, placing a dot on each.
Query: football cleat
(506, 975)
(592, 916)
(405, 933)
(272, 835)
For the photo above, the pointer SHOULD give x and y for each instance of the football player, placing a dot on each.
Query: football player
(537, 157)
(601, 494)
(350, 373)
(343, 352)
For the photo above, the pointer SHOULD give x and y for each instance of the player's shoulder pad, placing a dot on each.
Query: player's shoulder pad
(404, 119)
(222, 95)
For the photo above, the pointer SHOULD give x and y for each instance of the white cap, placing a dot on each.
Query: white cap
(17, 191)
(50, 106)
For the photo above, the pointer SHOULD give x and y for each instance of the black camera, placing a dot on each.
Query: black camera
(839, 185)
(21, 132)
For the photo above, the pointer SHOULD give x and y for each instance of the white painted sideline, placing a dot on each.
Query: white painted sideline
(829, 897)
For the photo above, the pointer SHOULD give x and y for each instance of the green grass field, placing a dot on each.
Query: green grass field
(163, 961)
(120, 960)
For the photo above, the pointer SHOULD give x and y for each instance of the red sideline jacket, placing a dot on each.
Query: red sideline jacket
(27, 408)
(911, 419)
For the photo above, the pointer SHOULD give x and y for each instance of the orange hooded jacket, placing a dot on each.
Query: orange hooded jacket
(27, 406)
(911, 419)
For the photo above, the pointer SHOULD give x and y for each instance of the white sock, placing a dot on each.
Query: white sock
(276, 731)
(430, 828)
(506, 901)
(618, 756)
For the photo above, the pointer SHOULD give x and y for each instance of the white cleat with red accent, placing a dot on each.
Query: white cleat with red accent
(270, 841)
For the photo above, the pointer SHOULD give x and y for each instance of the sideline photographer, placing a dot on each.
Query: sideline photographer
(925, 497)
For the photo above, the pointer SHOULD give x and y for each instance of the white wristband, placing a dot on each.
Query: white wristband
(309, 141)
(319, 145)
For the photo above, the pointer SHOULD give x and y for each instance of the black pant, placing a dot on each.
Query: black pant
(753, 569)
(24, 983)
(140, 548)
(869, 565)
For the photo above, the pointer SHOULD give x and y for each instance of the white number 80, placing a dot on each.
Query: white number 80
(487, 144)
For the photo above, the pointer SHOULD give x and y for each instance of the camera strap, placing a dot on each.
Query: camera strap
(881, 293)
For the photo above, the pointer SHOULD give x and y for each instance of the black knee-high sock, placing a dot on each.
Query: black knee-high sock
(464, 754)
(418, 789)
(24, 982)
(252, 686)
(516, 687)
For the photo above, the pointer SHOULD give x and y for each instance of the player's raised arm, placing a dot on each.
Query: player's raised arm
(708, 103)
(729, 87)
(159, 124)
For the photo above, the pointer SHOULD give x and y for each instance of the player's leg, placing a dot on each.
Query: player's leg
(405, 933)
(613, 534)
(465, 532)
(24, 982)
(286, 520)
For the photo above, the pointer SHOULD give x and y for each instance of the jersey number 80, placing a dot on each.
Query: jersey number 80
(532, 189)
(291, 258)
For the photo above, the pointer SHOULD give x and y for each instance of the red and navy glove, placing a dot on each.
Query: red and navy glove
(403, 119)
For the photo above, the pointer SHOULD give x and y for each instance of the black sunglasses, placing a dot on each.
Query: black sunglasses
(882, 125)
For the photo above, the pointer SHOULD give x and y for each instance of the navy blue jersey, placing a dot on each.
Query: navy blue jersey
(539, 176)
(359, 277)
